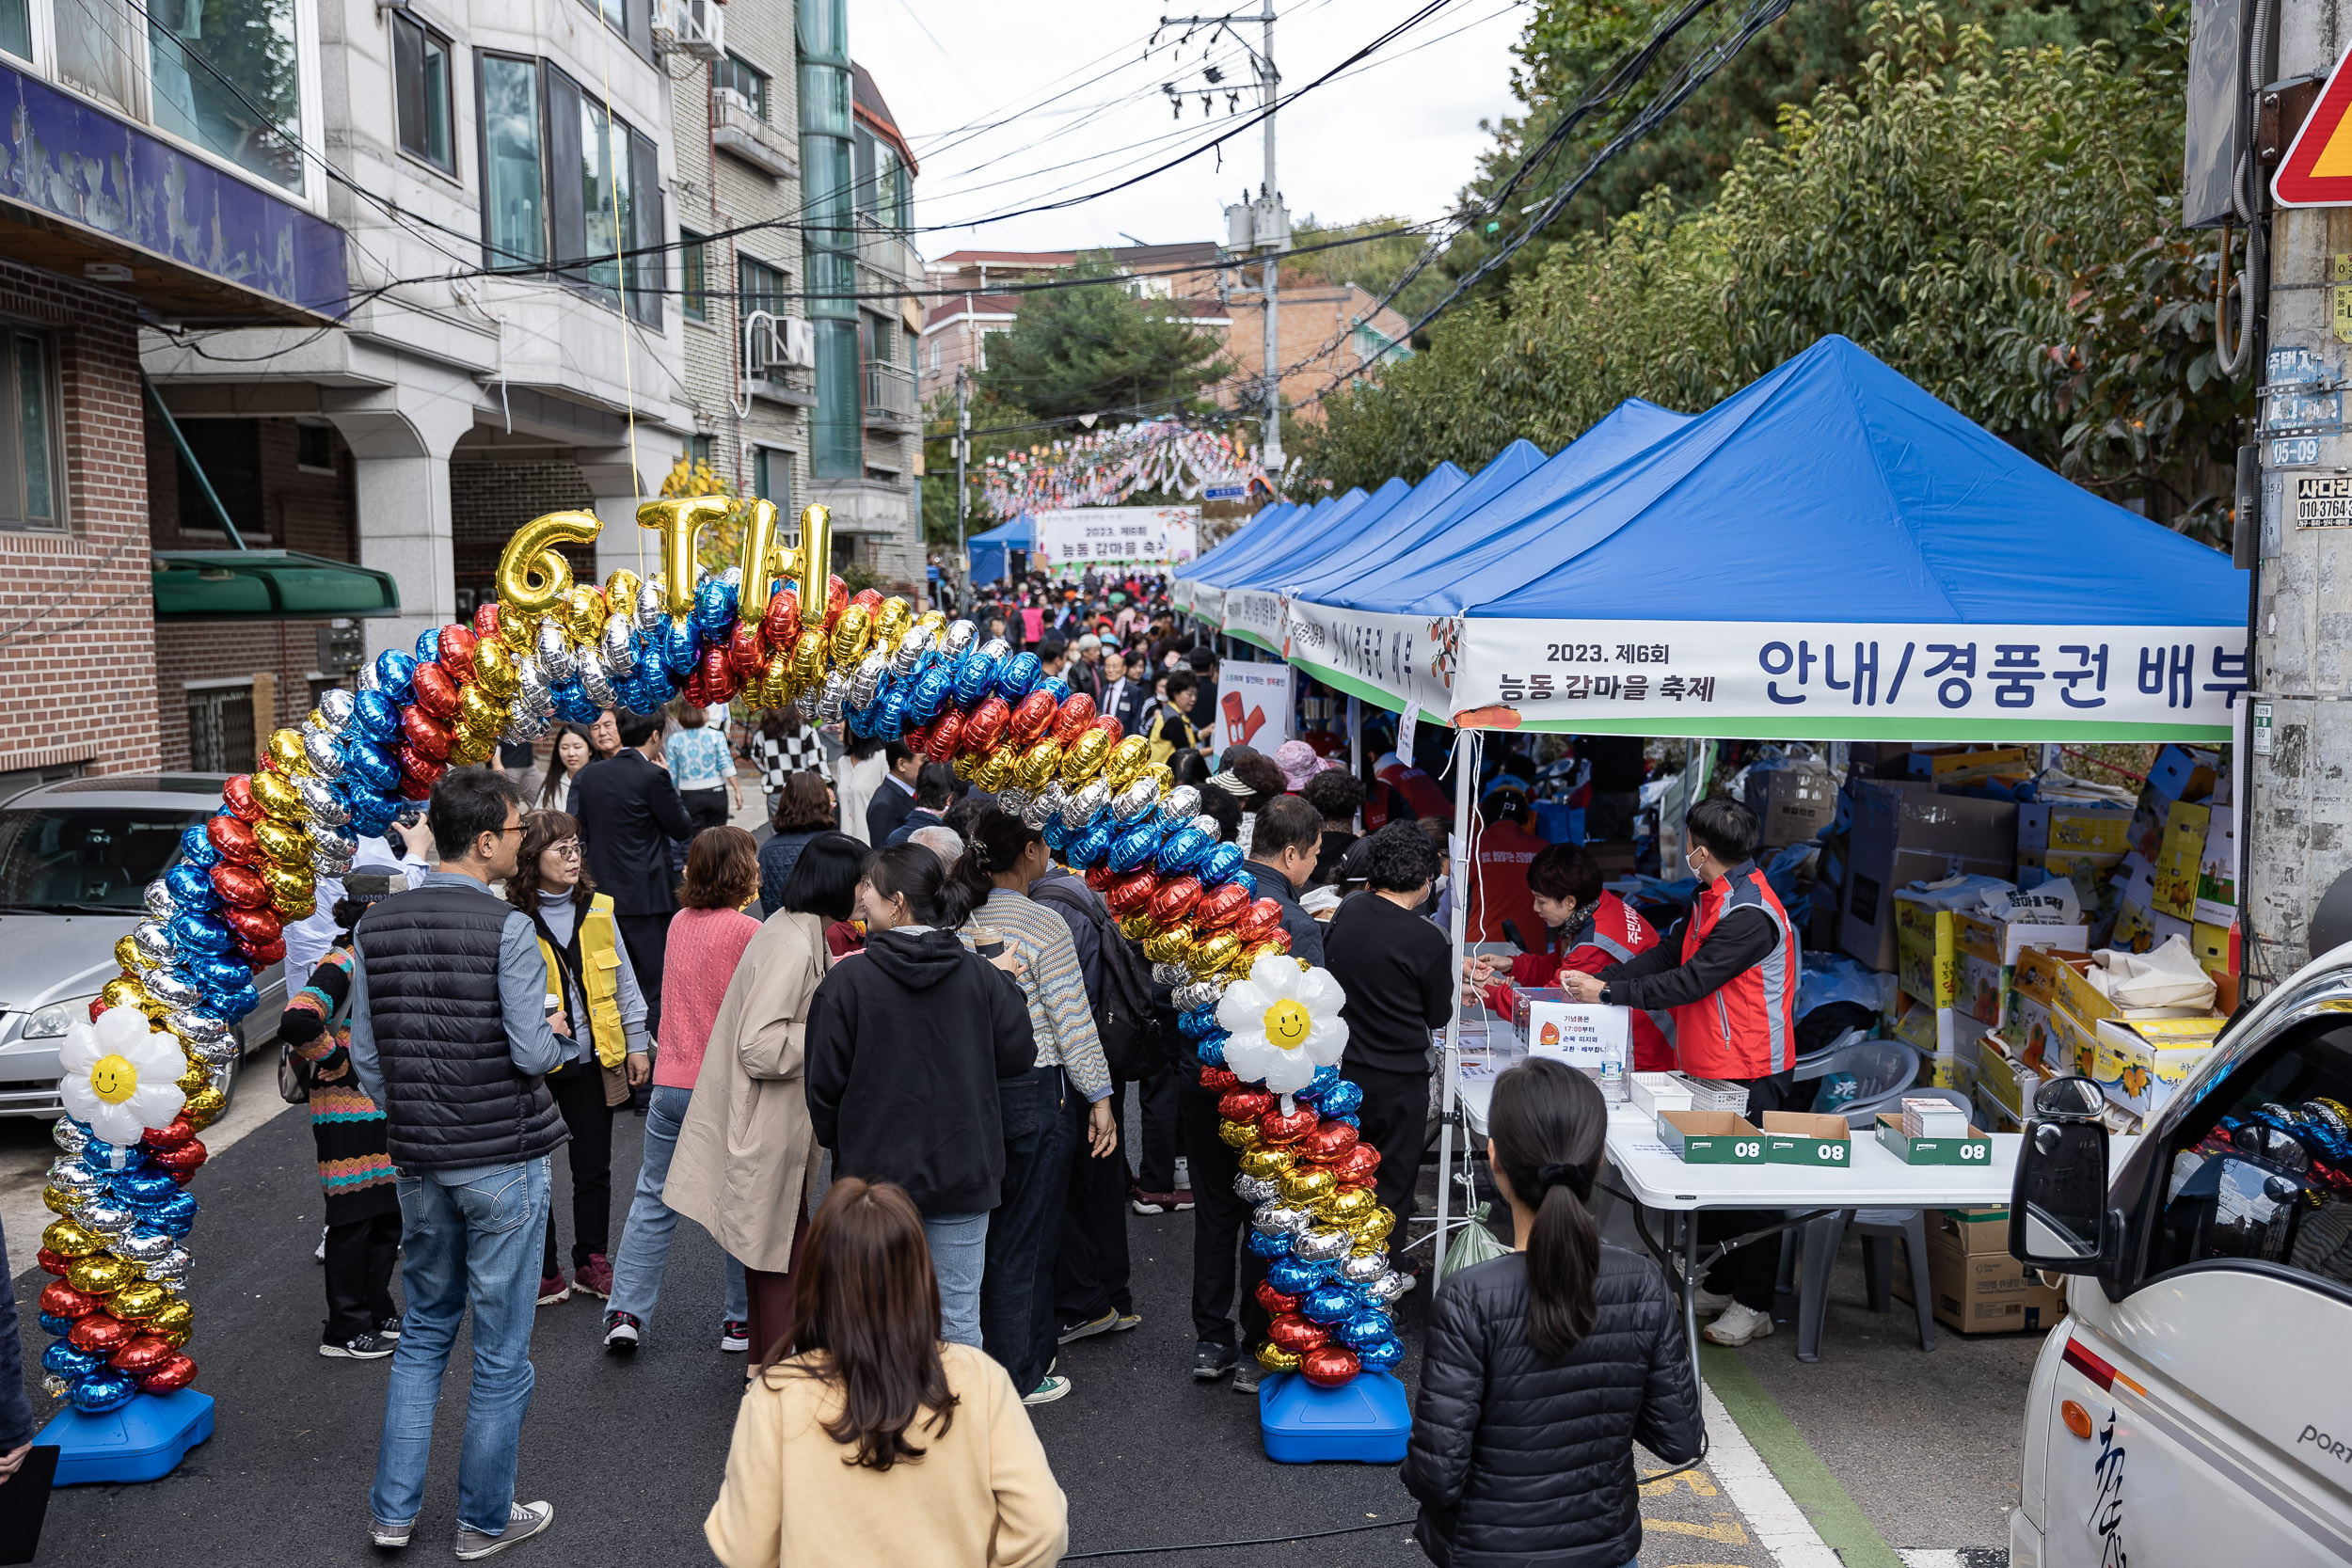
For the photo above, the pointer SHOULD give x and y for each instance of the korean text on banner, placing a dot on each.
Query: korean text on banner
(1141, 535)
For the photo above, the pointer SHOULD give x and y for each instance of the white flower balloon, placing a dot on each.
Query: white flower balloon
(1284, 1022)
(120, 1075)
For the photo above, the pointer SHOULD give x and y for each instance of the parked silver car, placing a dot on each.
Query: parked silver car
(76, 859)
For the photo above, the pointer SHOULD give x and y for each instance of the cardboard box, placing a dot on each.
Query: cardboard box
(2210, 944)
(2073, 827)
(2035, 973)
(2073, 1044)
(1615, 857)
(1801, 1138)
(1989, 950)
(2217, 870)
(1979, 1292)
(1791, 804)
(1955, 765)
(2007, 1081)
(2184, 772)
(2173, 881)
(2141, 1064)
(1711, 1137)
(1973, 1149)
(1927, 962)
(2027, 1031)
(1905, 833)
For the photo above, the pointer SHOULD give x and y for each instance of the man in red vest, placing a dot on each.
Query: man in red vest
(1732, 989)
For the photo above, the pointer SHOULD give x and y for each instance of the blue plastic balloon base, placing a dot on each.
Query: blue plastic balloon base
(1366, 1420)
(145, 1440)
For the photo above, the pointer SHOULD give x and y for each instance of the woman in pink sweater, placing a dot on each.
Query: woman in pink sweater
(707, 940)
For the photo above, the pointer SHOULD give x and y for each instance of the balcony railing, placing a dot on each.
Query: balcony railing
(890, 400)
(886, 252)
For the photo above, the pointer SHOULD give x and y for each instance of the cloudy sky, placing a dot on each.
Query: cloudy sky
(1011, 106)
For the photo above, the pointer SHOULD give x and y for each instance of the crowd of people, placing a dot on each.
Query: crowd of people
(881, 1049)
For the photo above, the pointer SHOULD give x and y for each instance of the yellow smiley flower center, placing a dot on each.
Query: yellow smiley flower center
(1286, 1025)
(114, 1080)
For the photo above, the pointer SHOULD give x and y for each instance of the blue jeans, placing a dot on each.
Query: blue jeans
(1042, 1116)
(645, 1238)
(475, 1243)
(959, 1245)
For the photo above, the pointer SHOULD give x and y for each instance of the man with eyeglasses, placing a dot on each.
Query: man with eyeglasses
(450, 1036)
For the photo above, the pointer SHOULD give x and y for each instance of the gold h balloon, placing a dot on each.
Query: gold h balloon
(762, 559)
(679, 521)
(812, 563)
(532, 574)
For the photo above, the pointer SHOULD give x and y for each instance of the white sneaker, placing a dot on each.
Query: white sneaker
(1710, 1303)
(1740, 1324)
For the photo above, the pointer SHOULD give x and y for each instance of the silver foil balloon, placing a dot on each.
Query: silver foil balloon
(324, 752)
(69, 1135)
(555, 654)
(1256, 1189)
(108, 1218)
(805, 705)
(960, 636)
(530, 689)
(144, 1246)
(336, 707)
(365, 680)
(326, 807)
(1390, 1286)
(594, 683)
(1275, 1219)
(1198, 994)
(55, 1387)
(336, 839)
(995, 647)
(1014, 799)
(829, 700)
(865, 684)
(159, 901)
(652, 614)
(1320, 1246)
(1363, 1268)
(154, 942)
(75, 1179)
(1170, 975)
(733, 577)
(1180, 805)
(191, 1026)
(1210, 826)
(1046, 805)
(1137, 801)
(1086, 805)
(918, 641)
(214, 1053)
(617, 646)
(523, 725)
(172, 1269)
(172, 989)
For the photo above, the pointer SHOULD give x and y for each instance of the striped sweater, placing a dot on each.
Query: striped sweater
(355, 1161)
(1053, 984)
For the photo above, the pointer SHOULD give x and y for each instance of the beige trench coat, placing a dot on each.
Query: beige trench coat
(746, 1153)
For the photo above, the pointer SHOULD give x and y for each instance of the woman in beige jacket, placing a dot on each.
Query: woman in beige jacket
(745, 1153)
(878, 1445)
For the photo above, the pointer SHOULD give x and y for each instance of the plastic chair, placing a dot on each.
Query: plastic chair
(1879, 1229)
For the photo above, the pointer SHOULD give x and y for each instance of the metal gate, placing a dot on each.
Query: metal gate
(220, 729)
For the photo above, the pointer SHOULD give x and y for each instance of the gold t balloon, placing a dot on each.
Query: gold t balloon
(533, 574)
(679, 521)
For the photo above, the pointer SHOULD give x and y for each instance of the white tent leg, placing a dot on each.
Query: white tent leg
(1449, 1062)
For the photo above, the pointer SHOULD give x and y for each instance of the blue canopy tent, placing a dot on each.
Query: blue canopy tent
(1256, 527)
(1253, 599)
(1204, 582)
(990, 553)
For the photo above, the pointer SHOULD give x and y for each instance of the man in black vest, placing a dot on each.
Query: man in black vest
(628, 811)
(450, 1034)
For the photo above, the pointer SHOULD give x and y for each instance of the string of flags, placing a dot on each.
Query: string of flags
(1105, 468)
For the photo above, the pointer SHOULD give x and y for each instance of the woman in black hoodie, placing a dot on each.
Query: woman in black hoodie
(1544, 1367)
(906, 1043)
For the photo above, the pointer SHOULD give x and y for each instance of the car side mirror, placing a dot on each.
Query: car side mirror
(2058, 1216)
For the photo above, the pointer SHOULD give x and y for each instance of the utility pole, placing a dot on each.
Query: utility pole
(963, 450)
(1271, 192)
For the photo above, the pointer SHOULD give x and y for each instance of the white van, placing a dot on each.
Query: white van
(2195, 1407)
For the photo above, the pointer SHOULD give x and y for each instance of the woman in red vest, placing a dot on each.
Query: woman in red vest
(1591, 929)
(1732, 988)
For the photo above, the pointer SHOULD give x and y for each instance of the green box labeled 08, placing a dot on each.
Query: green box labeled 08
(1711, 1137)
(1973, 1149)
(1802, 1138)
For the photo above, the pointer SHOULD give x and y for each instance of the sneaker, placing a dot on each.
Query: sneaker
(735, 1336)
(388, 1329)
(360, 1347)
(1104, 1324)
(529, 1519)
(321, 1253)
(1048, 1391)
(554, 1290)
(1147, 1203)
(1710, 1303)
(1212, 1361)
(1739, 1325)
(390, 1537)
(1245, 1375)
(1127, 1320)
(593, 1277)
(1181, 1199)
(620, 1333)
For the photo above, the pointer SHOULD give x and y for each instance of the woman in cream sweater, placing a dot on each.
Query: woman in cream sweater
(878, 1444)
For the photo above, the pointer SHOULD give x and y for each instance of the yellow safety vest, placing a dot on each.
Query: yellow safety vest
(600, 970)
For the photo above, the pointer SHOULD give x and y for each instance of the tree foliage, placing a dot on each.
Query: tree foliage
(1374, 263)
(1099, 350)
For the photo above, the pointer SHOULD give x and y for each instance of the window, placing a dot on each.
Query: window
(698, 449)
(314, 447)
(693, 281)
(93, 49)
(71, 861)
(771, 477)
(225, 76)
(865, 172)
(743, 78)
(220, 728)
(16, 27)
(32, 490)
(420, 88)
(758, 287)
(514, 197)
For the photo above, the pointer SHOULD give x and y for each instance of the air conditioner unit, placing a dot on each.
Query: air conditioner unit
(763, 344)
(797, 341)
(690, 26)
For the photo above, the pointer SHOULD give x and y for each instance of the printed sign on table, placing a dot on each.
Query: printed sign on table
(1253, 706)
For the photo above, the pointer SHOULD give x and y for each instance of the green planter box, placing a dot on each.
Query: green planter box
(1801, 1138)
(1711, 1137)
(1973, 1149)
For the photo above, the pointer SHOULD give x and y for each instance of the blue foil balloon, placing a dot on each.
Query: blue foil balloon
(1054, 684)
(891, 718)
(678, 652)
(976, 677)
(202, 933)
(191, 889)
(371, 766)
(1093, 846)
(145, 1188)
(395, 675)
(195, 848)
(69, 1360)
(1341, 1099)
(1368, 1328)
(1295, 1276)
(1196, 1024)
(930, 692)
(428, 646)
(1133, 850)
(1182, 850)
(1381, 1356)
(714, 608)
(1212, 1051)
(1220, 864)
(1057, 836)
(175, 1215)
(1330, 1303)
(103, 1390)
(1269, 1247)
(1019, 676)
(55, 1326)
(375, 715)
(1321, 1084)
(218, 972)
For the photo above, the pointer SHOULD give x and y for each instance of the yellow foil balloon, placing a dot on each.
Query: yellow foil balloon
(1217, 953)
(128, 956)
(196, 1079)
(808, 657)
(812, 561)
(287, 882)
(1127, 760)
(1158, 773)
(762, 561)
(1171, 947)
(1040, 763)
(892, 621)
(1241, 1134)
(583, 613)
(620, 592)
(1267, 1165)
(1348, 1205)
(286, 753)
(1303, 1189)
(126, 993)
(1274, 1358)
(1085, 759)
(175, 1316)
(532, 574)
(469, 750)
(203, 1106)
(997, 769)
(478, 710)
(102, 1274)
(275, 794)
(851, 634)
(1134, 927)
(494, 668)
(965, 766)
(141, 1298)
(58, 1203)
(283, 842)
(71, 1238)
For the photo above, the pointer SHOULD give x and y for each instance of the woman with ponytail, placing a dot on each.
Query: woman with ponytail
(1544, 1367)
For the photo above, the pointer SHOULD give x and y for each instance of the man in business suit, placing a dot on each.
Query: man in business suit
(628, 810)
(893, 798)
(1122, 699)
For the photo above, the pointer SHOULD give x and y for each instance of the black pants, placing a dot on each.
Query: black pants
(647, 936)
(361, 1256)
(1748, 1273)
(706, 808)
(1394, 1119)
(1041, 1116)
(1155, 1097)
(578, 1091)
(1090, 1272)
(1219, 1218)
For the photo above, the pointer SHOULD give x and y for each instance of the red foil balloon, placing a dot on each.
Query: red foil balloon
(781, 625)
(745, 655)
(867, 600)
(485, 621)
(436, 690)
(1132, 894)
(427, 735)
(1220, 906)
(266, 954)
(458, 645)
(984, 726)
(180, 1131)
(1216, 1079)
(233, 837)
(50, 1262)
(424, 770)
(1329, 1141)
(238, 795)
(946, 732)
(412, 788)
(1355, 1168)
(1246, 1105)
(1033, 717)
(836, 600)
(1110, 726)
(713, 668)
(1100, 878)
(176, 1373)
(1273, 1300)
(144, 1354)
(60, 1300)
(182, 1160)
(697, 688)
(1258, 921)
(1276, 1128)
(240, 886)
(257, 925)
(1297, 1334)
(102, 1332)
(1175, 899)
(1330, 1365)
(1074, 719)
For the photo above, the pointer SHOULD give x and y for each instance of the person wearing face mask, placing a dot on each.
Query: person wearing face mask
(1731, 985)
(1591, 929)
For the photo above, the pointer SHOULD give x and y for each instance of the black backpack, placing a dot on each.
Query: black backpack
(1123, 1017)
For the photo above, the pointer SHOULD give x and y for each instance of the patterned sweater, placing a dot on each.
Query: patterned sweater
(1054, 985)
(354, 1162)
